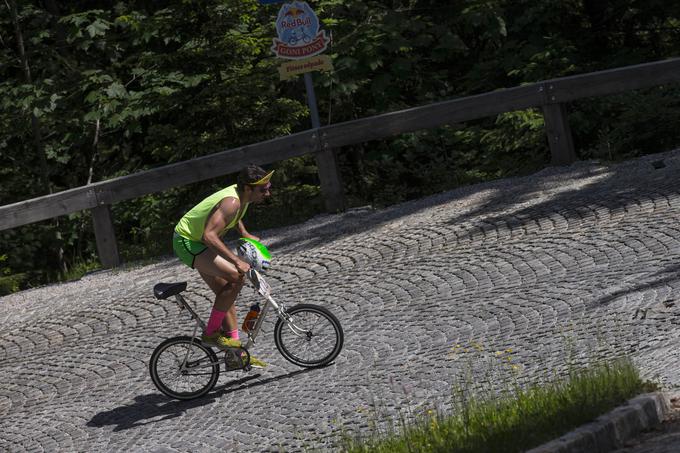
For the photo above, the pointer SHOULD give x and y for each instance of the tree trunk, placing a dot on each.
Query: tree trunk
(35, 121)
(36, 127)
(95, 151)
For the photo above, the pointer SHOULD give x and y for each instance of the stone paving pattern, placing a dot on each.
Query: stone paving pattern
(551, 270)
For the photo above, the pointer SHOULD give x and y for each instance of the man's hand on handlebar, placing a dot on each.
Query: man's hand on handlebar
(242, 267)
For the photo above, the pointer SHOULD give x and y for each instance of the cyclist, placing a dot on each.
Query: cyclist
(197, 242)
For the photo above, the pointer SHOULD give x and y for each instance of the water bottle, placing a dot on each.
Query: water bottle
(251, 318)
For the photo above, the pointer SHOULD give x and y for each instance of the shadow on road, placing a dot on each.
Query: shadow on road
(146, 409)
(242, 384)
(658, 280)
(157, 407)
(609, 191)
(505, 202)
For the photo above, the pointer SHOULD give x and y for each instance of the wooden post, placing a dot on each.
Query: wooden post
(329, 176)
(326, 160)
(559, 134)
(107, 247)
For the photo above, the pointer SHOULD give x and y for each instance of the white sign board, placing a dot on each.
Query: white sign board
(298, 32)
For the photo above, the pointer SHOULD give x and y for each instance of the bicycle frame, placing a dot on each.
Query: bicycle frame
(263, 288)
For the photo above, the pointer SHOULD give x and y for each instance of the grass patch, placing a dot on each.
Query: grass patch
(79, 269)
(11, 283)
(516, 421)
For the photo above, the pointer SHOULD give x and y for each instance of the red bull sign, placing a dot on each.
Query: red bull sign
(298, 32)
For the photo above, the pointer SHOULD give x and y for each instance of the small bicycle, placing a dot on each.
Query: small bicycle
(184, 367)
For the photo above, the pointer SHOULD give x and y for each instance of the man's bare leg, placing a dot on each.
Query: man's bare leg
(225, 296)
(226, 282)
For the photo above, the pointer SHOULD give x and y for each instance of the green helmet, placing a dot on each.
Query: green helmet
(254, 253)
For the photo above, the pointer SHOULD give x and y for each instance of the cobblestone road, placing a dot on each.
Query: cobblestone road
(566, 265)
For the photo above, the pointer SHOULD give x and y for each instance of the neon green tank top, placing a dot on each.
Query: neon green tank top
(192, 225)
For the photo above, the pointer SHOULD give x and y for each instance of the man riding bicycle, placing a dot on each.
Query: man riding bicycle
(197, 242)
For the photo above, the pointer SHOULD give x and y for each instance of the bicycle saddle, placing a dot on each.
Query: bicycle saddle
(165, 290)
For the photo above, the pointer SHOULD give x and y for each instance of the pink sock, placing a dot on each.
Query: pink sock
(233, 334)
(215, 321)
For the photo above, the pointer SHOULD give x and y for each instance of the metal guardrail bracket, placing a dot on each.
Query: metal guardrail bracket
(549, 93)
(103, 197)
(91, 196)
(320, 141)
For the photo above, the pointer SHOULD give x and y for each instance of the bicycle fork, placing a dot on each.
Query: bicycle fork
(282, 315)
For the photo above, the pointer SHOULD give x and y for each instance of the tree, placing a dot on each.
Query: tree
(94, 90)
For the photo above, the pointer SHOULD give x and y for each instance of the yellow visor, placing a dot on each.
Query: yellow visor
(264, 180)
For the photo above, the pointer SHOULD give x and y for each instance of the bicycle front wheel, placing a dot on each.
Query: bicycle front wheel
(182, 368)
(311, 337)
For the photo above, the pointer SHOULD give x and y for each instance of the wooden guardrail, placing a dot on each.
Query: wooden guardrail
(550, 95)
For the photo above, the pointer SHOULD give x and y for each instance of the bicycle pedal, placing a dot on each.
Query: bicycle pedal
(233, 363)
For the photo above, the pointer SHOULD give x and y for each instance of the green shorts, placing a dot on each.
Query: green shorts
(186, 249)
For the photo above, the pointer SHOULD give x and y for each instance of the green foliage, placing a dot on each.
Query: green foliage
(9, 282)
(630, 124)
(423, 163)
(80, 269)
(112, 89)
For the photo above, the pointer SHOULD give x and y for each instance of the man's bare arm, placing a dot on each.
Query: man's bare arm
(244, 233)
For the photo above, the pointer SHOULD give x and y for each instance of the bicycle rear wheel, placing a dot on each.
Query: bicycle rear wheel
(312, 337)
(182, 368)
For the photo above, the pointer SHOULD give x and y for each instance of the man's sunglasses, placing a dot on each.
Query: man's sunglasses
(263, 188)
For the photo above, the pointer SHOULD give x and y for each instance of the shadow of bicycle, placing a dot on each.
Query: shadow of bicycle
(156, 407)
(244, 384)
(146, 409)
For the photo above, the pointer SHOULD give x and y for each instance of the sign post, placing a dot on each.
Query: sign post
(311, 101)
(301, 41)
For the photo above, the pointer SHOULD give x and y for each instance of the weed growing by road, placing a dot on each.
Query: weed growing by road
(513, 419)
